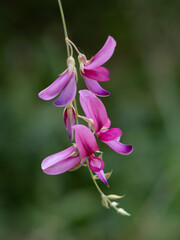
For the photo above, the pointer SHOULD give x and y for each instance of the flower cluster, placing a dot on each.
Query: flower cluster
(84, 149)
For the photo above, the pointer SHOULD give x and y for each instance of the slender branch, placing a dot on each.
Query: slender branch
(64, 26)
(67, 46)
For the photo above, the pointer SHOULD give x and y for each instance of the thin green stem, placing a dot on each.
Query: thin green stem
(98, 188)
(64, 26)
(76, 110)
(92, 176)
(67, 46)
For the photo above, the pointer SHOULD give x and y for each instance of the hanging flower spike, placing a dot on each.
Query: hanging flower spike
(65, 84)
(69, 120)
(94, 109)
(86, 144)
(85, 147)
(92, 70)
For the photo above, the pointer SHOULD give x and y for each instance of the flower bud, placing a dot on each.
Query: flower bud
(105, 203)
(114, 204)
(69, 119)
(114, 197)
(123, 212)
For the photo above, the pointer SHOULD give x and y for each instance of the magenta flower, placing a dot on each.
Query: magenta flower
(92, 70)
(86, 144)
(65, 84)
(69, 120)
(95, 110)
(65, 160)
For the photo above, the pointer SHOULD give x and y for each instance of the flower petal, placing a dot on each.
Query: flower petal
(94, 87)
(103, 71)
(110, 134)
(102, 177)
(60, 162)
(98, 74)
(68, 94)
(85, 140)
(95, 164)
(99, 115)
(103, 55)
(119, 147)
(69, 121)
(56, 87)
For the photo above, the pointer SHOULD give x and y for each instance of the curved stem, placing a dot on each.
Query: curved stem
(92, 176)
(68, 40)
(99, 190)
(64, 26)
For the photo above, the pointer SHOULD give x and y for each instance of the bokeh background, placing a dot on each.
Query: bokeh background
(144, 103)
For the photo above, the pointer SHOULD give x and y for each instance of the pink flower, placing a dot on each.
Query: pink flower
(92, 70)
(96, 111)
(86, 144)
(65, 84)
(69, 120)
(69, 158)
(61, 162)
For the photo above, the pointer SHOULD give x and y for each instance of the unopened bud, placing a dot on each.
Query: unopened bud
(105, 203)
(114, 197)
(123, 212)
(114, 204)
(69, 119)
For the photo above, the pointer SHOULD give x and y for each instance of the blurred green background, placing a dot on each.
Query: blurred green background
(144, 103)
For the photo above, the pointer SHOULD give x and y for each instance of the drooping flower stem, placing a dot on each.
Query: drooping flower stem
(64, 26)
(105, 199)
(92, 176)
(67, 47)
